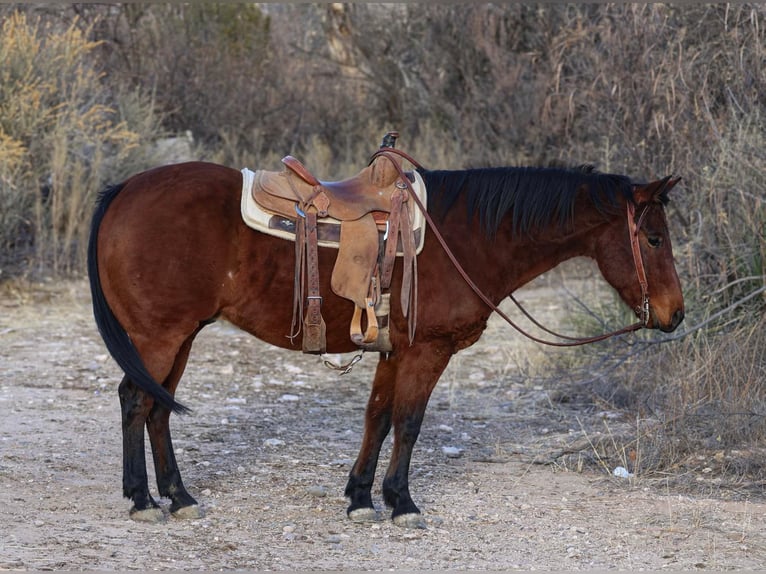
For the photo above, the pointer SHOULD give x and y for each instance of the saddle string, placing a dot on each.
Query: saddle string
(571, 341)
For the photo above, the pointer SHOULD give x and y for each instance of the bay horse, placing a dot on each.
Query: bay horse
(169, 253)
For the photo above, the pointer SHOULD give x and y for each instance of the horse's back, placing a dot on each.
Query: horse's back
(189, 179)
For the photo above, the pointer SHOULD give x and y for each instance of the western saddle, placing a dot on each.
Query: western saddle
(375, 226)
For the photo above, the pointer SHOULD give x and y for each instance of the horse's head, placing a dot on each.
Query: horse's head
(636, 258)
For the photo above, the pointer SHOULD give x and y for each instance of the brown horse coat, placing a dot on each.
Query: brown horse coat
(169, 253)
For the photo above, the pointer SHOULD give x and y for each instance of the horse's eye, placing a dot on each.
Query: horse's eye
(654, 241)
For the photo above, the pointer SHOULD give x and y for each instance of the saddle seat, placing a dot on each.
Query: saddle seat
(368, 191)
(374, 200)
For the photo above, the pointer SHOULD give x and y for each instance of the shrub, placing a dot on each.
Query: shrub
(62, 138)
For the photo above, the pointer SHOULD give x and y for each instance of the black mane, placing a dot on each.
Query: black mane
(535, 196)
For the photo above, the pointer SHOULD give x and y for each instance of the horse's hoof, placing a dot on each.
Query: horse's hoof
(150, 515)
(191, 512)
(364, 515)
(411, 520)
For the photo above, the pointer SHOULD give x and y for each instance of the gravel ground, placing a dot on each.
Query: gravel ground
(270, 444)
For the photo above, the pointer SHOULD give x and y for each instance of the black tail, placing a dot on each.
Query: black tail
(115, 337)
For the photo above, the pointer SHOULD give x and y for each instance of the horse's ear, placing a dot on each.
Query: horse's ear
(671, 184)
(652, 191)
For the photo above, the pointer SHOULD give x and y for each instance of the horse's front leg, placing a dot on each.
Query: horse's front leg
(376, 426)
(418, 370)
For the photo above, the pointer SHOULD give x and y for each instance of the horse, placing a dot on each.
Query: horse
(169, 254)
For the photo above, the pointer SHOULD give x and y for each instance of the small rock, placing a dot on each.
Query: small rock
(236, 400)
(621, 472)
(452, 451)
(318, 491)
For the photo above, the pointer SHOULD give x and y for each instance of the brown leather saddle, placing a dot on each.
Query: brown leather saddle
(373, 208)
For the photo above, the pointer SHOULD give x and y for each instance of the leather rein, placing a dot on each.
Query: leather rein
(633, 228)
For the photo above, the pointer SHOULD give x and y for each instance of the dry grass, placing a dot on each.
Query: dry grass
(61, 138)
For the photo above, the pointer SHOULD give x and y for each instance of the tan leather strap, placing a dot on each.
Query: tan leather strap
(392, 239)
(314, 329)
(298, 279)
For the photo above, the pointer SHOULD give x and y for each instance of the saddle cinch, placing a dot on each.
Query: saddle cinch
(377, 222)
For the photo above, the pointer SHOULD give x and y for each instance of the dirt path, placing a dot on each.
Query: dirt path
(270, 444)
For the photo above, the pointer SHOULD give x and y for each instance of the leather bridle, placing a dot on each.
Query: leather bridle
(638, 261)
(633, 229)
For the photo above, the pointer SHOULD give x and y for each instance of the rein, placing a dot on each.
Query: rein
(633, 228)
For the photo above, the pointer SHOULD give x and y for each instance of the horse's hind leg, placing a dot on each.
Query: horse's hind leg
(166, 361)
(376, 427)
(135, 406)
(165, 466)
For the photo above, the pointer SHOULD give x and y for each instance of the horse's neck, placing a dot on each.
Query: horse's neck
(521, 258)
(501, 263)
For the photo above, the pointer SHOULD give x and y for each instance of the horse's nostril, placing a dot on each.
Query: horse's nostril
(678, 316)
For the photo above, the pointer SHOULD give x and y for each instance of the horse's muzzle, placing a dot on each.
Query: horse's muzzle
(675, 321)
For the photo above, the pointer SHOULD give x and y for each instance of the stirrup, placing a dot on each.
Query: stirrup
(355, 330)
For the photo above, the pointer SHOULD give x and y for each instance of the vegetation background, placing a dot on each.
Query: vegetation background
(91, 93)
